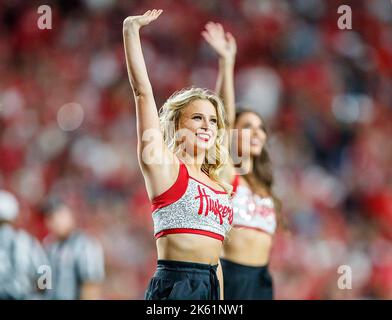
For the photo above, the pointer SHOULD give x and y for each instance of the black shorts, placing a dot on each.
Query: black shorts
(178, 280)
(243, 282)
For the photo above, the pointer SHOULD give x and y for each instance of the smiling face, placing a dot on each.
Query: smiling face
(251, 134)
(198, 126)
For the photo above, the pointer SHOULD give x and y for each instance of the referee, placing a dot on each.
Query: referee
(21, 255)
(76, 259)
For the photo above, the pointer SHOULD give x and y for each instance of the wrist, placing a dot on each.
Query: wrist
(227, 61)
(131, 28)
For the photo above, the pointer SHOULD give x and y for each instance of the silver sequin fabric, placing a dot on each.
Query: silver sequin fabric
(200, 208)
(251, 210)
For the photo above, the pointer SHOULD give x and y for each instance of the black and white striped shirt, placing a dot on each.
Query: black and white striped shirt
(74, 261)
(21, 256)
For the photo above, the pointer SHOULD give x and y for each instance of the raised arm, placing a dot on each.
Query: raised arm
(146, 111)
(155, 160)
(225, 46)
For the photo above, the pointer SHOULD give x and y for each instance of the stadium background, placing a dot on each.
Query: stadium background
(67, 124)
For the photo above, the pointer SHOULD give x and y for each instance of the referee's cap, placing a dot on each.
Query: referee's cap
(9, 206)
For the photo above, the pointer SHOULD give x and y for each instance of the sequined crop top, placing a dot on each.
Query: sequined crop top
(190, 206)
(251, 210)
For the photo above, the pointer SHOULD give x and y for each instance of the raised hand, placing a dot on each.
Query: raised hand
(223, 43)
(141, 21)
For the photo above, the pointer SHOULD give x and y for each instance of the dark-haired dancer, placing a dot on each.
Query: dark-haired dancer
(246, 253)
(190, 204)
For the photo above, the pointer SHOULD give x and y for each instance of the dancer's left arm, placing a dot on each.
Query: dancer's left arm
(225, 46)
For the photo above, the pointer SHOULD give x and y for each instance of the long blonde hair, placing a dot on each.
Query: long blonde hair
(169, 116)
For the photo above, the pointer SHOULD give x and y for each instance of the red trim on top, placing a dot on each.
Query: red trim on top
(236, 183)
(175, 192)
(216, 191)
(254, 228)
(188, 230)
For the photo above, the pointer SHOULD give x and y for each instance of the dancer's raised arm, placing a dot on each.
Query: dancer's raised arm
(137, 70)
(146, 111)
(155, 159)
(225, 46)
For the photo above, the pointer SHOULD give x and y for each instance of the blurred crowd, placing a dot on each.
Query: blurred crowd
(67, 125)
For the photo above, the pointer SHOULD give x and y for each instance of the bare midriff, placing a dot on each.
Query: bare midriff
(189, 248)
(247, 246)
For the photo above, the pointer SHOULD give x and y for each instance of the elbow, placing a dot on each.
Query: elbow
(141, 90)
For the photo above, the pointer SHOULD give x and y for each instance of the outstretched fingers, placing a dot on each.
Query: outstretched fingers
(153, 13)
(207, 37)
(159, 12)
(215, 30)
(230, 38)
(141, 20)
(219, 28)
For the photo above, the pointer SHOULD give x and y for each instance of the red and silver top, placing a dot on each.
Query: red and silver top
(190, 206)
(251, 210)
